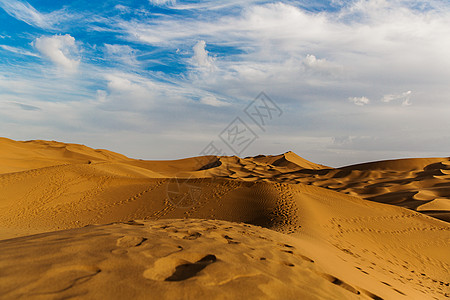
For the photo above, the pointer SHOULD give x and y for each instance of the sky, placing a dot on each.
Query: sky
(337, 82)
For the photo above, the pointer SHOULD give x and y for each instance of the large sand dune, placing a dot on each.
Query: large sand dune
(347, 233)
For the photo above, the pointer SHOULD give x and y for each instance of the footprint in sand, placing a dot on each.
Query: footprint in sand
(59, 279)
(177, 269)
(338, 282)
(193, 236)
(186, 271)
(230, 240)
(130, 241)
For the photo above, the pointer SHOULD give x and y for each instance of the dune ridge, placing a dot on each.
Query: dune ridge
(278, 225)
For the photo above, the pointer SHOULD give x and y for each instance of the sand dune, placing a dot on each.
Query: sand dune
(21, 156)
(219, 227)
(207, 259)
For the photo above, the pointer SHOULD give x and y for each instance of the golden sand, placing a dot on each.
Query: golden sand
(265, 227)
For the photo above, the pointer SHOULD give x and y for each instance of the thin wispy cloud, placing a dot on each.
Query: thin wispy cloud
(404, 98)
(213, 101)
(23, 11)
(162, 2)
(19, 51)
(123, 54)
(26, 106)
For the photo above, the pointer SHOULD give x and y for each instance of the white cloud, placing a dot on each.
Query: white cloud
(403, 97)
(60, 49)
(23, 11)
(127, 86)
(306, 61)
(162, 2)
(291, 50)
(311, 61)
(201, 57)
(122, 8)
(312, 64)
(131, 92)
(101, 95)
(121, 53)
(342, 140)
(213, 101)
(361, 101)
(18, 50)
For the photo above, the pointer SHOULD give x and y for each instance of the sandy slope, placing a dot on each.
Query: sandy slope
(192, 259)
(418, 184)
(341, 246)
(167, 259)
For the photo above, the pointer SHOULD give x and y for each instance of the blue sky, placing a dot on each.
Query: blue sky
(356, 80)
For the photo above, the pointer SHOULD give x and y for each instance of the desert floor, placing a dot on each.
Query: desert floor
(76, 222)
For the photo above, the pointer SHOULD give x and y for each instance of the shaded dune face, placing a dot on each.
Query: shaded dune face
(310, 231)
(417, 184)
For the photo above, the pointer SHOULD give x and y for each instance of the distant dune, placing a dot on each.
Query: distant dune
(272, 227)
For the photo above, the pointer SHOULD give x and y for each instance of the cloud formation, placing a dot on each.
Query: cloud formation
(176, 68)
(23, 11)
(404, 98)
(201, 57)
(361, 101)
(162, 2)
(213, 101)
(123, 54)
(61, 50)
(18, 50)
(26, 106)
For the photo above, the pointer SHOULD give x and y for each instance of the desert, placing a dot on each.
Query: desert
(74, 219)
(225, 149)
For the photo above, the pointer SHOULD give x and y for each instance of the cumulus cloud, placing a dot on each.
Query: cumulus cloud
(320, 65)
(311, 61)
(60, 49)
(201, 57)
(361, 101)
(404, 98)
